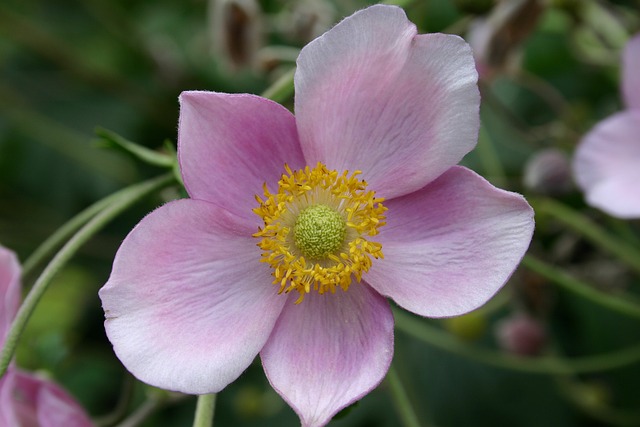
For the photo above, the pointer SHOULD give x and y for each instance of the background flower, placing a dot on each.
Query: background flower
(606, 161)
(25, 399)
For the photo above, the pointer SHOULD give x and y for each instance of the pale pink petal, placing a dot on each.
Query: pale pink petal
(606, 165)
(631, 73)
(372, 95)
(8, 416)
(10, 272)
(230, 145)
(189, 304)
(329, 351)
(29, 401)
(450, 247)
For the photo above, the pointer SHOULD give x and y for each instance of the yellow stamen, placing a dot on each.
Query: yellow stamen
(315, 228)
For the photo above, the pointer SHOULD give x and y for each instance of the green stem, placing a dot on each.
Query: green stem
(65, 232)
(584, 290)
(126, 198)
(420, 329)
(282, 89)
(491, 163)
(401, 399)
(589, 230)
(205, 410)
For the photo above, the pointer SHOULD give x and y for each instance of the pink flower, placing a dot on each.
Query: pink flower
(606, 161)
(191, 299)
(25, 399)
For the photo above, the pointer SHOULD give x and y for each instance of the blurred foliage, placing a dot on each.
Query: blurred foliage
(70, 66)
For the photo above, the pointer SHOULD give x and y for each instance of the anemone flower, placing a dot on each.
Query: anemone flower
(606, 160)
(297, 228)
(25, 399)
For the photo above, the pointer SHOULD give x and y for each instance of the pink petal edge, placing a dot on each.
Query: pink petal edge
(229, 145)
(28, 400)
(10, 289)
(329, 351)
(451, 246)
(605, 165)
(188, 305)
(371, 95)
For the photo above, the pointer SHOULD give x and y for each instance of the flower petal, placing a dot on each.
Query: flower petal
(631, 72)
(189, 305)
(329, 351)
(606, 165)
(29, 401)
(230, 145)
(371, 95)
(451, 246)
(10, 272)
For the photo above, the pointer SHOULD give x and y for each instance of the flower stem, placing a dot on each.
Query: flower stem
(547, 365)
(589, 230)
(125, 199)
(490, 160)
(623, 306)
(401, 399)
(65, 232)
(282, 89)
(204, 410)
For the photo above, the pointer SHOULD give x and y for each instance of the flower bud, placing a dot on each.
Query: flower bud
(495, 39)
(235, 31)
(548, 172)
(521, 334)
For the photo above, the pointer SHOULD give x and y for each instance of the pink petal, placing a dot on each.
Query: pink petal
(230, 145)
(29, 401)
(10, 272)
(606, 165)
(451, 246)
(631, 72)
(189, 304)
(374, 96)
(329, 351)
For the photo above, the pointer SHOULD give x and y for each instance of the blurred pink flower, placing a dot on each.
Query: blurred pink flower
(190, 301)
(606, 161)
(25, 399)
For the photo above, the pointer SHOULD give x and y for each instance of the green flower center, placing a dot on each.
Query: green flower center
(319, 231)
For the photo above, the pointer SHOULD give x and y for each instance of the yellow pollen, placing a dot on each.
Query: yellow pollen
(316, 229)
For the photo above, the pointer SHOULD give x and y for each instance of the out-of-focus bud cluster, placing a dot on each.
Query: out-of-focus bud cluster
(240, 30)
(521, 334)
(468, 327)
(548, 172)
(496, 38)
(303, 21)
(236, 31)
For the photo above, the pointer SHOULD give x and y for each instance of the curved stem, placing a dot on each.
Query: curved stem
(589, 230)
(494, 171)
(401, 399)
(125, 199)
(282, 89)
(559, 277)
(420, 329)
(205, 410)
(65, 232)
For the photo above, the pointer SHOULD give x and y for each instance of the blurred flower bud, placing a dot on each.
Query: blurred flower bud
(236, 31)
(548, 172)
(495, 39)
(521, 334)
(307, 19)
(467, 327)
